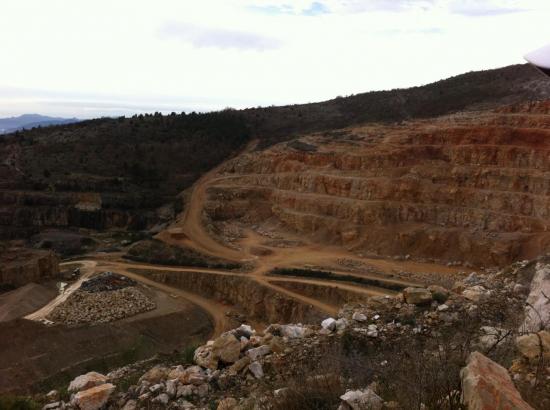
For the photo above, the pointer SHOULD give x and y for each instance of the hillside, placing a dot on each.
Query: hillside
(467, 188)
(470, 91)
(108, 173)
(117, 172)
(362, 238)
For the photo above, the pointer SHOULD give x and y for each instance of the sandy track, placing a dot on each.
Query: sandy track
(188, 231)
(214, 309)
(87, 269)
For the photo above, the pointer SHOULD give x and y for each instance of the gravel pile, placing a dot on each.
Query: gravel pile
(107, 281)
(101, 307)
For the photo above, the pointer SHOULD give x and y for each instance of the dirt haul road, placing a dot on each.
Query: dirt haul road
(188, 231)
(87, 269)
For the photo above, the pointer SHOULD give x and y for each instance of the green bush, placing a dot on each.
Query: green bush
(10, 402)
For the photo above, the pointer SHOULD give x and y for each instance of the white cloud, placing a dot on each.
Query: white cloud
(477, 8)
(218, 53)
(218, 38)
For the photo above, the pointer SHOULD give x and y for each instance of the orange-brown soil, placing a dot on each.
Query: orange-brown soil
(473, 188)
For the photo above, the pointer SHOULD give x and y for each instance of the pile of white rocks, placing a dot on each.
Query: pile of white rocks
(90, 391)
(235, 369)
(101, 307)
(235, 357)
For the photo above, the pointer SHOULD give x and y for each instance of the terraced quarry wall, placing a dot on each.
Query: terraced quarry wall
(23, 213)
(472, 188)
(20, 266)
(257, 301)
(327, 294)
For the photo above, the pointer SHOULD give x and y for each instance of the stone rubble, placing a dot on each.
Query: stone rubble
(237, 369)
(361, 400)
(86, 381)
(93, 398)
(100, 307)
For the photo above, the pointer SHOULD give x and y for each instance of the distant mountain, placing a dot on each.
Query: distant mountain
(28, 121)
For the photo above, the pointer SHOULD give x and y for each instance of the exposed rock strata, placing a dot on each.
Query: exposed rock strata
(472, 187)
(19, 266)
(256, 300)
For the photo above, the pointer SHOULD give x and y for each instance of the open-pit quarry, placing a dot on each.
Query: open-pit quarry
(291, 233)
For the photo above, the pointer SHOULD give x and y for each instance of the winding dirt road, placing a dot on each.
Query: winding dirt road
(87, 269)
(188, 231)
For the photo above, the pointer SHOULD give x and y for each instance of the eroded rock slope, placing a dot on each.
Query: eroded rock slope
(468, 187)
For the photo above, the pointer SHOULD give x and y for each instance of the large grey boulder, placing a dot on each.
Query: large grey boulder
(417, 296)
(258, 352)
(86, 381)
(329, 324)
(361, 400)
(227, 348)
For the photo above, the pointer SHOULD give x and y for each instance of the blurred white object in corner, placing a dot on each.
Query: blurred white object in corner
(540, 58)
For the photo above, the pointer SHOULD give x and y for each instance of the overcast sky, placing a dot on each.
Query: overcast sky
(88, 58)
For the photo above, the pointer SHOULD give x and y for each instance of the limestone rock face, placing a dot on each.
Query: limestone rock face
(537, 312)
(530, 345)
(155, 374)
(19, 266)
(473, 188)
(94, 398)
(417, 296)
(294, 331)
(361, 400)
(227, 404)
(87, 381)
(227, 348)
(486, 386)
(256, 299)
(204, 357)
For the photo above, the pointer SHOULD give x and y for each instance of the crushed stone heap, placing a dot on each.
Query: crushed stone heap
(107, 281)
(105, 298)
(424, 348)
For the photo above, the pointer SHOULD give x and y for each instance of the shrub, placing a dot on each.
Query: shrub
(10, 402)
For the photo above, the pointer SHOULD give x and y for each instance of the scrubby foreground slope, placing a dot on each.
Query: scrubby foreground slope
(424, 348)
(472, 188)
